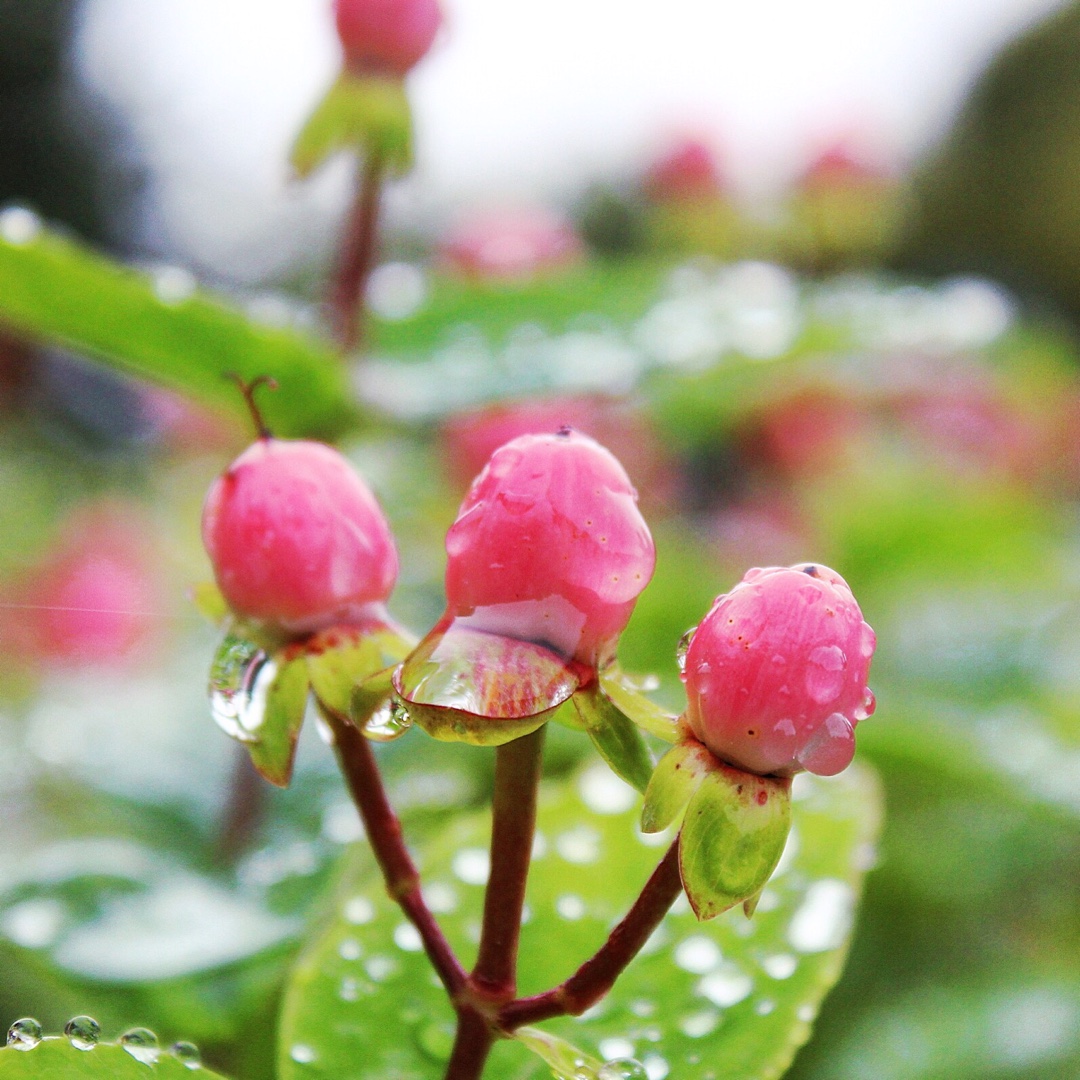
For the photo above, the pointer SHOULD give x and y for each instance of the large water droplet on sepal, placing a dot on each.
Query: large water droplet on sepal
(241, 673)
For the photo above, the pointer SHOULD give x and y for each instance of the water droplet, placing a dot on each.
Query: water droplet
(824, 917)
(605, 793)
(302, 1054)
(142, 1044)
(19, 226)
(697, 954)
(779, 661)
(350, 949)
(656, 1067)
(388, 722)
(436, 1039)
(763, 1008)
(570, 906)
(806, 1013)
(831, 748)
(580, 845)
(187, 1053)
(539, 846)
(683, 647)
(698, 1025)
(869, 704)
(349, 989)
(726, 987)
(704, 668)
(624, 1068)
(381, 968)
(24, 1034)
(825, 673)
(472, 866)
(83, 1032)
(240, 677)
(407, 938)
(359, 911)
(780, 966)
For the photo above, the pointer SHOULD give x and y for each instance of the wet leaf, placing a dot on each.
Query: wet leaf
(732, 837)
(731, 999)
(366, 115)
(465, 685)
(274, 751)
(618, 741)
(566, 1061)
(55, 1058)
(624, 694)
(678, 775)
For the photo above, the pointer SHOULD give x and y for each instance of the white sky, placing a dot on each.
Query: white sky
(520, 101)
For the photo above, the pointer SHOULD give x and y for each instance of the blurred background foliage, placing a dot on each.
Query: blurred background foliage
(818, 384)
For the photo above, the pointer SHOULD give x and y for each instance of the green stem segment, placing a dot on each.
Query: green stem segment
(356, 257)
(387, 842)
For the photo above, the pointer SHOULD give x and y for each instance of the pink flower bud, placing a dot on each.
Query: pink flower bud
(386, 36)
(549, 547)
(776, 672)
(297, 539)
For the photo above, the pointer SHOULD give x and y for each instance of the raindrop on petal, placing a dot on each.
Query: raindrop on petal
(683, 647)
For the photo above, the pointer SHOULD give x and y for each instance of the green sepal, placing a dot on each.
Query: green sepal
(365, 113)
(55, 1057)
(676, 778)
(732, 838)
(465, 685)
(274, 750)
(619, 742)
(343, 657)
(621, 691)
(565, 1060)
(209, 603)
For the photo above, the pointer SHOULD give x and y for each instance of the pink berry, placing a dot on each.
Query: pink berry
(687, 170)
(511, 245)
(386, 36)
(549, 547)
(297, 539)
(776, 672)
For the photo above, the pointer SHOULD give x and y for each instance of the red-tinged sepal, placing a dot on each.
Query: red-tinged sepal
(343, 658)
(259, 698)
(616, 738)
(365, 113)
(465, 685)
(732, 838)
(677, 777)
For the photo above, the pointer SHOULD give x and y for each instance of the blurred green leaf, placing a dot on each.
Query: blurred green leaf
(57, 291)
(731, 999)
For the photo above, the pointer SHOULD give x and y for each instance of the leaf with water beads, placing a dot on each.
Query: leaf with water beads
(565, 1060)
(134, 1056)
(618, 741)
(731, 999)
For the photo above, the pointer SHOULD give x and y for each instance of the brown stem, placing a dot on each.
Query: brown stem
(387, 842)
(244, 810)
(513, 808)
(355, 258)
(597, 975)
(471, 1046)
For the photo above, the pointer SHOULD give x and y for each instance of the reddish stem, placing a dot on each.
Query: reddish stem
(472, 1045)
(513, 809)
(387, 842)
(355, 258)
(597, 975)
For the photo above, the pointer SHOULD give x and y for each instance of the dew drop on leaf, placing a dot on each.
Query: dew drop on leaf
(605, 793)
(697, 954)
(625, 1068)
(388, 722)
(302, 1054)
(472, 865)
(580, 845)
(442, 899)
(359, 911)
(698, 1025)
(240, 677)
(824, 917)
(187, 1053)
(381, 968)
(656, 1067)
(407, 938)
(726, 987)
(83, 1032)
(780, 966)
(570, 907)
(142, 1044)
(350, 949)
(24, 1034)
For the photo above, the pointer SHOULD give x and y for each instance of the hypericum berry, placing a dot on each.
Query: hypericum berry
(511, 245)
(776, 672)
(549, 547)
(296, 538)
(386, 36)
(686, 170)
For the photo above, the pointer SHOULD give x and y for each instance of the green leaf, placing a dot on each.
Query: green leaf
(369, 115)
(619, 688)
(677, 777)
(564, 1059)
(209, 603)
(274, 750)
(55, 290)
(56, 1059)
(619, 742)
(727, 1000)
(732, 838)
